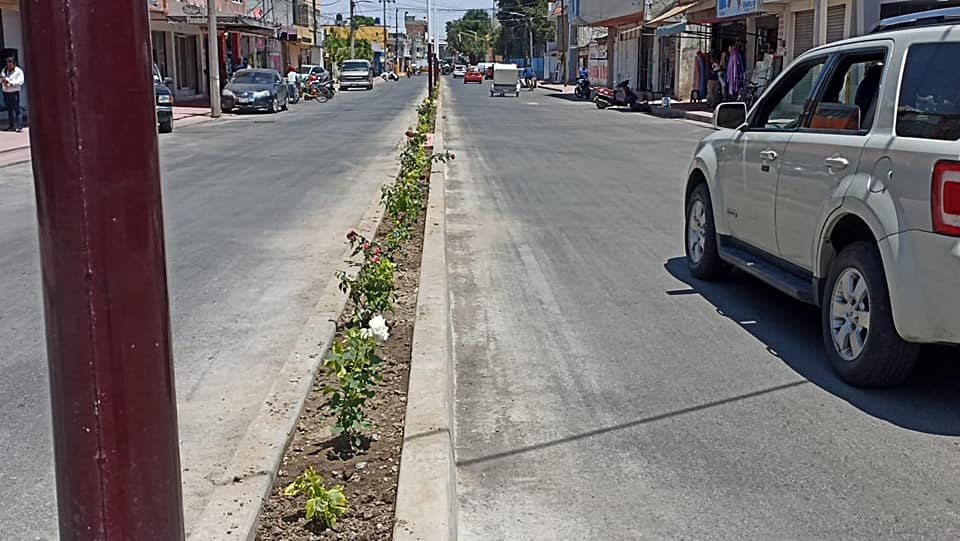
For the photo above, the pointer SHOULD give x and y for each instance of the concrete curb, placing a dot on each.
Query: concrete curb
(426, 506)
(233, 510)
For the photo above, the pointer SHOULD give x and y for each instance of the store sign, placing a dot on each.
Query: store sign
(734, 8)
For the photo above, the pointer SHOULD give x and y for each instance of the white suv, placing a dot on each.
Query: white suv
(841, 187)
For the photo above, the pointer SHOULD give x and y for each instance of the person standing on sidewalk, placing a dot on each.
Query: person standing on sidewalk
(11, 78)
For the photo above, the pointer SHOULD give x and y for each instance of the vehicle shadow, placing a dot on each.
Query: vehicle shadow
(929, 401)
(567, 97)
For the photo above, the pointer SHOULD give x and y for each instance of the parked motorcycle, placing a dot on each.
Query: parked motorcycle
(319, 90)
(583, 90)
(390, 76)
(621, 96)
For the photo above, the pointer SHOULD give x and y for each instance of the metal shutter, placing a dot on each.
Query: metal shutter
(802, 32)
(835, 26)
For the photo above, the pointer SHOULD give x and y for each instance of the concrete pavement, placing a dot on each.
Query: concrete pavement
(603, 393)
(255, 213)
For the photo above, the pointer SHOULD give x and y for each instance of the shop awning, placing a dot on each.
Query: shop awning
(664, 18)
(671, 29)
(230, 23)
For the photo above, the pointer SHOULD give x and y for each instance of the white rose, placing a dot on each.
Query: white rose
(379, 329)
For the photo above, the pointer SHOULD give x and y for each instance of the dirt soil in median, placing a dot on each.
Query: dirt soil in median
(370, 476)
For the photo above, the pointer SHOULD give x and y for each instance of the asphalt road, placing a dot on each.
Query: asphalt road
(256, 210)
(602, 393)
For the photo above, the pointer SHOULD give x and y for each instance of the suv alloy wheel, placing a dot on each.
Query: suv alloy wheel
(858, 332)
(703, 259)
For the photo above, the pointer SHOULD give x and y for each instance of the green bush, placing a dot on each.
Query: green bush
(324, 504)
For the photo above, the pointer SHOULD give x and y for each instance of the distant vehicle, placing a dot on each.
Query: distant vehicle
(319, 72)
(163, 101)
(841, 188)
(255, 90)
(356, 74)
(506, 80)
(473, 75)
(488, 71)
(459, 71)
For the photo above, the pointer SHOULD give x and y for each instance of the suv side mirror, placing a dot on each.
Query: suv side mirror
(168, 81)
(730, 115)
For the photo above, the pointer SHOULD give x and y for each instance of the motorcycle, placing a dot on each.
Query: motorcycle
(583, 90)
(319, 90)
(390, 76)
(530, 83)
(620, 96)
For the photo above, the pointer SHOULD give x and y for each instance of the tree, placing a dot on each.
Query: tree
(516, 27)
(362, 20)
(337, 47)
(471, 35)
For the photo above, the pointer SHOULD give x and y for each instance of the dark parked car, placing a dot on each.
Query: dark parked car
(255, 90)
(163, 100)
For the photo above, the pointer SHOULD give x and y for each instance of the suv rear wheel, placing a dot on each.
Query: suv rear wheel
(858, 332)
(700, 237)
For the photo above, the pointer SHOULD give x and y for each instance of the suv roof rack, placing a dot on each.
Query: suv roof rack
(933, 17)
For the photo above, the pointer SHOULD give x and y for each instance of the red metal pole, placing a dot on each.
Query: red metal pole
(97, 178)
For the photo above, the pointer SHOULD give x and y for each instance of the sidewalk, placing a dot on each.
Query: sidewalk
(15, 147)
(698, 112)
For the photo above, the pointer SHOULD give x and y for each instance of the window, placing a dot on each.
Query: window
(849, 99)
(929, 105)
(783, 109)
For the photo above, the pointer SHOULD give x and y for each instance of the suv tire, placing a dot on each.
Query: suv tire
(700, 237)
(870, 355)
(165, 127)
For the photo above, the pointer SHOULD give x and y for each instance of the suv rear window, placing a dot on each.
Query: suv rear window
(929, 105)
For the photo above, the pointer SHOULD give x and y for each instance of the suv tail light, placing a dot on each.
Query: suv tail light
(946, 198)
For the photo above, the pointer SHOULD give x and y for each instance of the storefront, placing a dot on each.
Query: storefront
(695, 38)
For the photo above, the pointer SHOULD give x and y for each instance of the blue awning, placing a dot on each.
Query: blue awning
(671, 29)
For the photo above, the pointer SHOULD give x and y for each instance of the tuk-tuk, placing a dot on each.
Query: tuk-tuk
(506, 80)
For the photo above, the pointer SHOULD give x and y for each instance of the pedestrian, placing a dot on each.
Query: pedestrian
(11, 78)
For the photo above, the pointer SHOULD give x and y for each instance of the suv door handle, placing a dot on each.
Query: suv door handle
(769, 155)
(836, 162)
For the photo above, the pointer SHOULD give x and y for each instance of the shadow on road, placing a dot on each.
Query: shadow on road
(929, 401)
(567, 97)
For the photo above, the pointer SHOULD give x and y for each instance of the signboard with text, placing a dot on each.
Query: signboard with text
(733, 8)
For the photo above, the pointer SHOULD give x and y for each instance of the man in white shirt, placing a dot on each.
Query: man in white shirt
(11, 79)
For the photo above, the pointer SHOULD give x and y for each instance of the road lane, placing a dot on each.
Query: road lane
(602, 393)
(255, 211)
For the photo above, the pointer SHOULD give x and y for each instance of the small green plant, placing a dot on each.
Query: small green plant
(372, 289)
(325, 504)
(355, 364)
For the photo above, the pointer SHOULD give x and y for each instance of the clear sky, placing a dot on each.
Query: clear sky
(447, 10)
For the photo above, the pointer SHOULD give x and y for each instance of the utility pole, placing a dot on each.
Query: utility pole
(213, 58)
(96, 173)
(353, 53)
(564, 44)
(316, 35)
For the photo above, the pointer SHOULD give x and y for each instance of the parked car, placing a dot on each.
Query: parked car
(255, 90)
(356, 74)
(473, 75)
(307, 70)
(841, 188)
(163, 100)
(459, 71)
